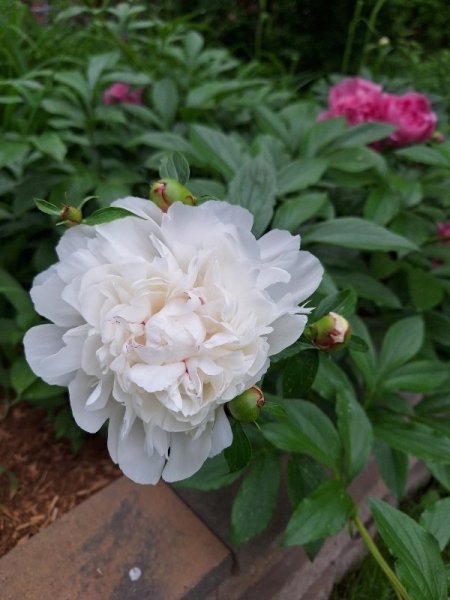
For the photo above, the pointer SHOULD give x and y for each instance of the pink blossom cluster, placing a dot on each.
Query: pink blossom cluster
(119, 93)
(362, 101)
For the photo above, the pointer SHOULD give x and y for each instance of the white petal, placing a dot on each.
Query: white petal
(156, 378)
(276, 245)
(229, 213)
(186, 455)
(48, 356)
(114, 425)
(47, 299)
(286, 330)
(80, 391)
(134, 460)
(74, 239)
(222, 436)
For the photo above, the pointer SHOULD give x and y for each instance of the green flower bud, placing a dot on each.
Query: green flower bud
(247, 406)
(331, 332)
(70, 216)
(167, 191)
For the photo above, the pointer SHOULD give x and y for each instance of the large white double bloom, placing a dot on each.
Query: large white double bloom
(160, 320)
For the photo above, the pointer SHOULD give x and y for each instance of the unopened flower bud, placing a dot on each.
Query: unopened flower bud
(384, 41)
(70, 216)
(331, 332)
(438, 137)
(247, 406)
(167, 191)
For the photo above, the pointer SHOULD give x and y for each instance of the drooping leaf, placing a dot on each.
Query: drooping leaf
(436, 520)
(356, 433)
(256, 499)
(419, 565)
(393, 466)
(238, 455)
(175, 166)
(417, 439)
(321, 514)
(299, 374)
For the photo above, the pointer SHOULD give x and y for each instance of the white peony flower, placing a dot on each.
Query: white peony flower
(160, 320)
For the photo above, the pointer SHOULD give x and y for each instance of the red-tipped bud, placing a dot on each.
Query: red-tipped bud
(331, 332)
(247, 406)
(70, 216)
(167, 191)
(438, 137)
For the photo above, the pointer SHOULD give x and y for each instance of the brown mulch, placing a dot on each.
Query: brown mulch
(51, 478)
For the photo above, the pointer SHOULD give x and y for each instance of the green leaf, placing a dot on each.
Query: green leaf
(253, 187)
(14, 293)
(363, 134)
(300, 174)
(356, 160)
(425, 290)
(308, 430)
(47, 207)
(21, 376)
(321, 514)
(213, 475)
(343, 303)
(238, 455)
(401, 343)
(256, 499)
(207, 94)
(381, 206)
(175, 166)
(417, 439)
(322, 133)
(419, 565)
(418, 376)
(219, 151)
(165, 99)
(51, 145)
(304, 476)
(441, 473)
(163, 141)
(292, 213)
(436, 520)
(424, 155)
(353, 232)
(438, 327)
(107, 214)
(98, 64)
(357, 344)
(11, 152)
(393, 466)
(272, 123)
(299, 374)
(367, 287)
(356, 433)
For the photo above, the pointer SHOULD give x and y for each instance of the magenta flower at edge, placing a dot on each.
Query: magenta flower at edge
(356, 99)
(412, 115)
(119, 93)
(443, 231)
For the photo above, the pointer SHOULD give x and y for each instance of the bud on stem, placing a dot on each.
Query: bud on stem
(167, 191)
(331, 332)
(70, 216)
(247, 406)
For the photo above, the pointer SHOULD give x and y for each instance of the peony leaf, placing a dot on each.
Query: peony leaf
(419, 565)
(356, 433)
(238, 455)
(324, 512)
(175, 166)
(393, 466)
(47, 207)
(353, 232)
(256, 499)
(107, 214)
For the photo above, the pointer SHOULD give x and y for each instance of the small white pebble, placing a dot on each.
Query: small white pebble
(134, 573)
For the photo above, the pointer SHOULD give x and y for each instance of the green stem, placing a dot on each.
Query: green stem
(351, 35)
(402, 594)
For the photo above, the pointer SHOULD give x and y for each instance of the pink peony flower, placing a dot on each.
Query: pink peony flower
(356, 99)
(443, 231)
(412, 115)
(121, 93)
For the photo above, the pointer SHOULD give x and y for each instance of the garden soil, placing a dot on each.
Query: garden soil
(51, 479)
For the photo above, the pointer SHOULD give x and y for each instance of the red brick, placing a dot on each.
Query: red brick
(88, 553)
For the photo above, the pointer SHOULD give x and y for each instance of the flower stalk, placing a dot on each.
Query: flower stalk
(399, 589)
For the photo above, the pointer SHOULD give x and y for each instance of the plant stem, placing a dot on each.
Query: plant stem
(351, 36)
(402, 594)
